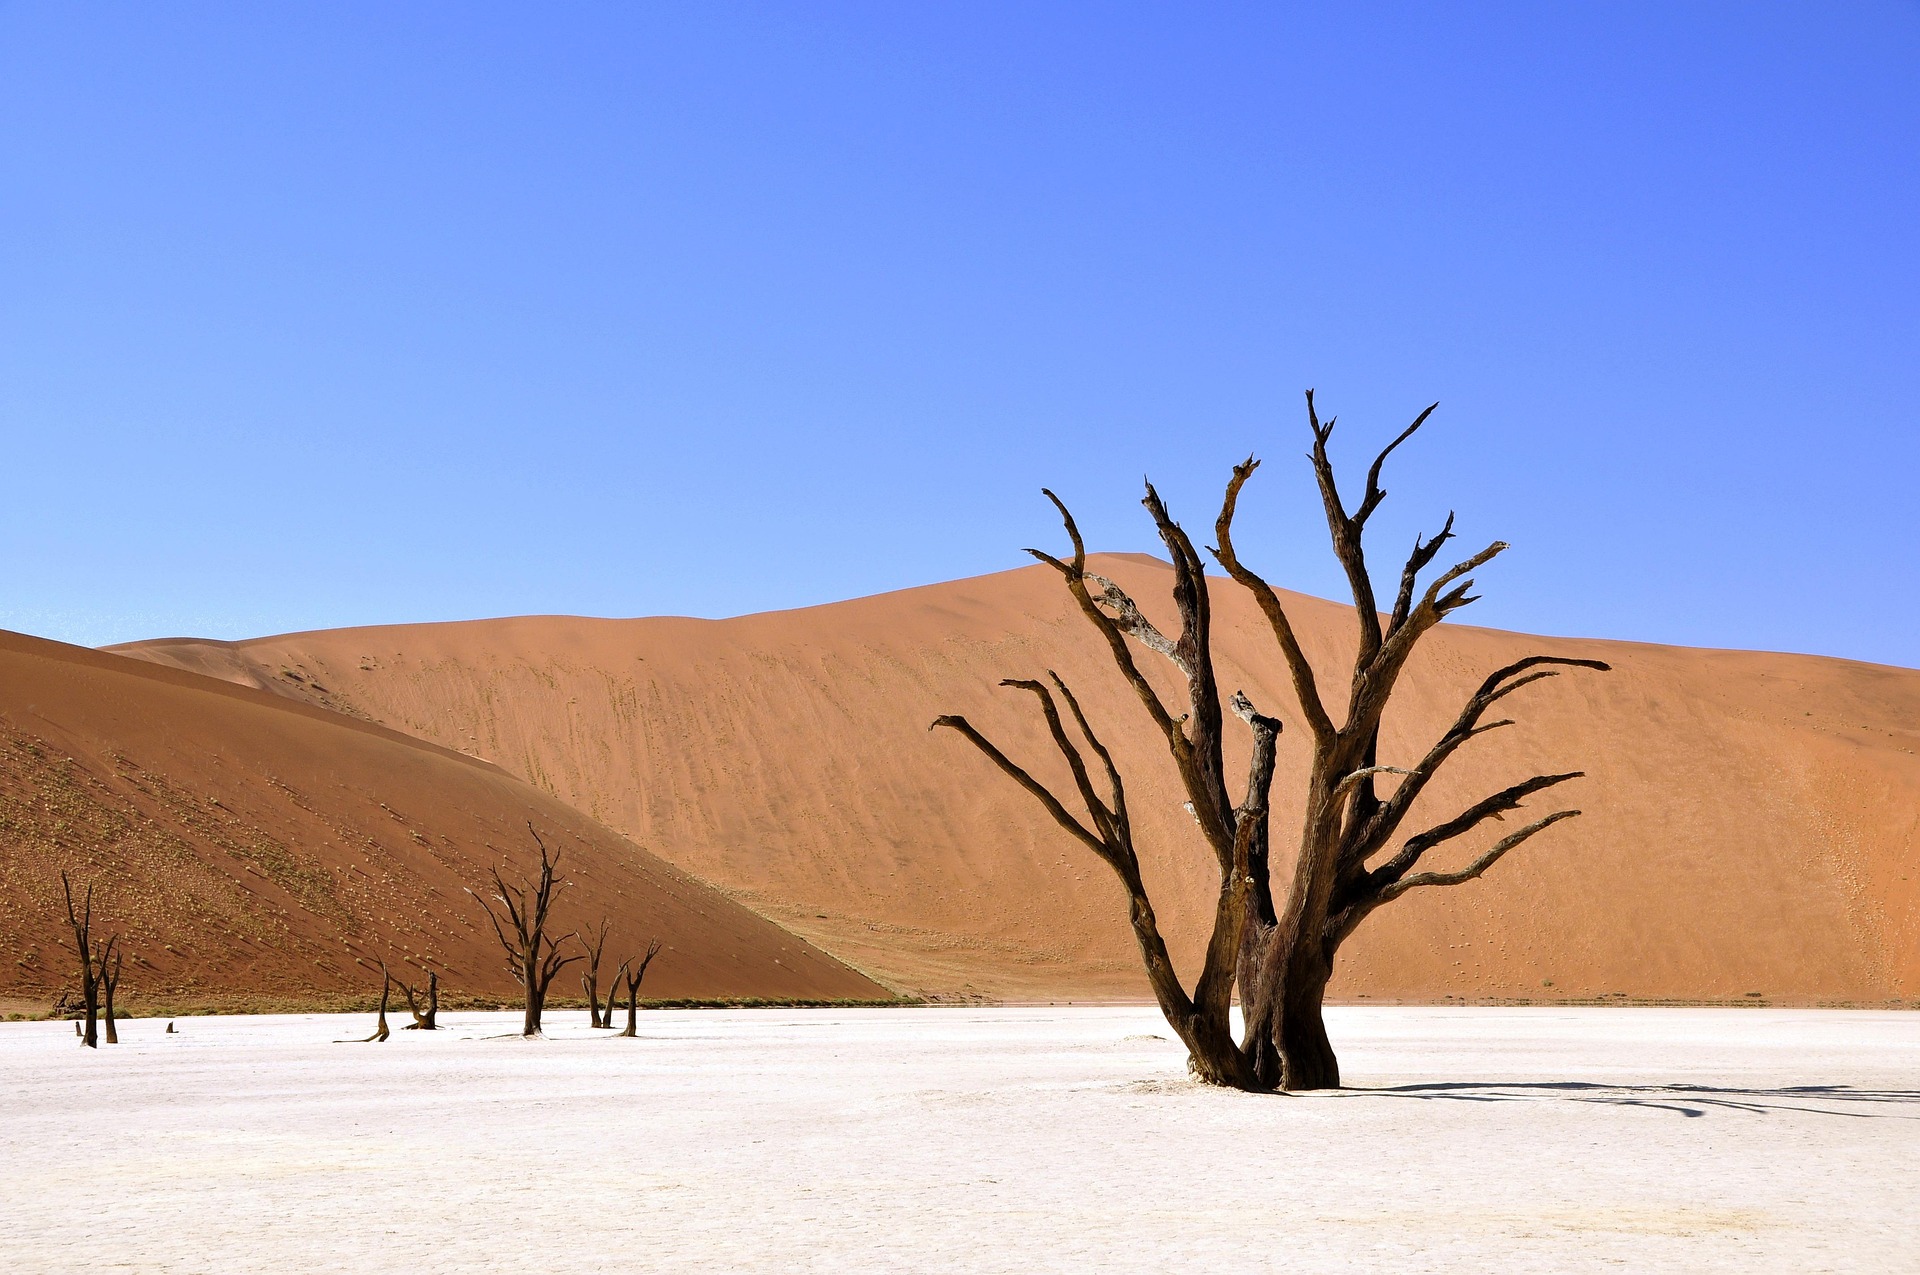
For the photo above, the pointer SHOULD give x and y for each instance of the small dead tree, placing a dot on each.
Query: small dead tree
(1277, 946)
(110, 962)
(533, 956)
(380, 1032)
(423, 1019)
(595, 941)
(81, 923)
(630, 975)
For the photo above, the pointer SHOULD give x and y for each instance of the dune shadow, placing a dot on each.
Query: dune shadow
(1687, 1100)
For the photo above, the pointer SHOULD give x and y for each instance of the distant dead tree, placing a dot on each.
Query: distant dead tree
(80, 922)
(380, 1032)
(595, 941)
(631, 974)
(110, 962)
(533, 956)
(1277, 947)
(427, 1019)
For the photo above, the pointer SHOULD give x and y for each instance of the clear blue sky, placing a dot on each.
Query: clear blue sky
(317, 315)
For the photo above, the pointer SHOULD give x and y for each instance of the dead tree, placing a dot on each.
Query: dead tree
(427, 1020)
(110, 962)
(533, 956)
(81, 923)
(380, 1032)
(595, 941)
(1277, 945)
(613, 997)
(630, 975)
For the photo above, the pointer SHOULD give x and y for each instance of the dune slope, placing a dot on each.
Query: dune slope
(254, 849)
(1750, 829)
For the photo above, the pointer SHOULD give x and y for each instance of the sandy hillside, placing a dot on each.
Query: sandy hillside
(250, 846)
(1751, 821)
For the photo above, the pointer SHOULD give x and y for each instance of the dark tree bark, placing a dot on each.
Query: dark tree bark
(613, 999)
(380, 1032)
(427, 1019)
(81, 923)
(1277, 946)
(533, 956)
(595, 941)
(110, 962)
(630, 975)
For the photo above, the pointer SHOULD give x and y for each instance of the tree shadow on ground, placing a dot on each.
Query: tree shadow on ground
(1687, 1100)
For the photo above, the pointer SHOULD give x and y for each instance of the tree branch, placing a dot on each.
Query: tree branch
(1494, 807)
(1478, 866)
(1305, 689)
(1103, 818)
(1019, 775)
(1422, 556)
(1135, 624)
(1375, 494)
(1123, 824)
(1346, 531)
(1075, 574)
(1364, 842)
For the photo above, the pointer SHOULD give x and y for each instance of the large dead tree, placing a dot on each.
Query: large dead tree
(80, 922)
(1275, 940)
(533, 956)
(630, 974)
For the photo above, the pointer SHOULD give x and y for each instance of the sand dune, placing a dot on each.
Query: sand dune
(1751, 821)
(252, 847)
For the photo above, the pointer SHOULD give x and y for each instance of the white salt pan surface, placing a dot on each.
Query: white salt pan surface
(965, 1139)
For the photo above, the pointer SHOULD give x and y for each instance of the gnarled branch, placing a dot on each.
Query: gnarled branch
(1494, 807)
(1050, 803)
(1365, 841)
(1478, 866)
(1305, 688)
(1134, 622)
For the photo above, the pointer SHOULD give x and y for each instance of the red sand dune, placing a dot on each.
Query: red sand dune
(1750, 828)
(250, 847)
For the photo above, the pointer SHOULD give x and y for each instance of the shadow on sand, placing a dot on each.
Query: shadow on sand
(1688, 1100)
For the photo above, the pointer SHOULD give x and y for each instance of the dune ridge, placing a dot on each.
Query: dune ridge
(1750, 830)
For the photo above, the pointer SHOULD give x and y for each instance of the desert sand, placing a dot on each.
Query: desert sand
(254, 848)
(966, 1138)
(1750, 831)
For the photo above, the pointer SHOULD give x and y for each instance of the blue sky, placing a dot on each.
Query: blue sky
(328, 315)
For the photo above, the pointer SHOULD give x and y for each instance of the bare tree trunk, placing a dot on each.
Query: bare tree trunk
(380, 1032)
(110, 961)
(631, 975)
(595, 941)
(82, 925)
(1307, 1059)
(536, 1005)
